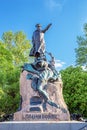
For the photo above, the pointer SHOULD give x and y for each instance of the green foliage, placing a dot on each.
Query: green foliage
(18, 45)
(81, 50)
(14, 49)
(75, 89)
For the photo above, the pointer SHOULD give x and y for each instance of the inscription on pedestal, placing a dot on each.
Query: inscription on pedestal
(36, 117)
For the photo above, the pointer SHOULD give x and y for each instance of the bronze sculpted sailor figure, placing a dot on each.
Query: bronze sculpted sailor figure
(38, 41)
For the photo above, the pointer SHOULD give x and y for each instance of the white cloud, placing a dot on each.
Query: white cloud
(59, 64)
(52, 4)
(55, 4)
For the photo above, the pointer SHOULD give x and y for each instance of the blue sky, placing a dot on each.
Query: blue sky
(67, 18)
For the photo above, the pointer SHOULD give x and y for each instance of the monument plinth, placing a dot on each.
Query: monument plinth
(33, 107)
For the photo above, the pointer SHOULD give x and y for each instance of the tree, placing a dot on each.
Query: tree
(14, 51)
(81, 50)
(75, 89)
(18, 45)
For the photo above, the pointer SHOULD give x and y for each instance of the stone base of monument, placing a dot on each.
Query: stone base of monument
(34, 108)
(62, 125)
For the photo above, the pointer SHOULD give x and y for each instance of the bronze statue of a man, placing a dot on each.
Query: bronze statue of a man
(38, 41)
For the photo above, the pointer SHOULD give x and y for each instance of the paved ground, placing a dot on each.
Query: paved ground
(43, 125)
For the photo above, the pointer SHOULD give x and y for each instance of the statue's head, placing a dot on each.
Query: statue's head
(38, 26)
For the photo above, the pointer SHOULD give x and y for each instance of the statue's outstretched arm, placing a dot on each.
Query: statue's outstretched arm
(48, 26)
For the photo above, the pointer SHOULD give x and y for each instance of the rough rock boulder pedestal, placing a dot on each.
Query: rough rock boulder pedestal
(33, 106)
